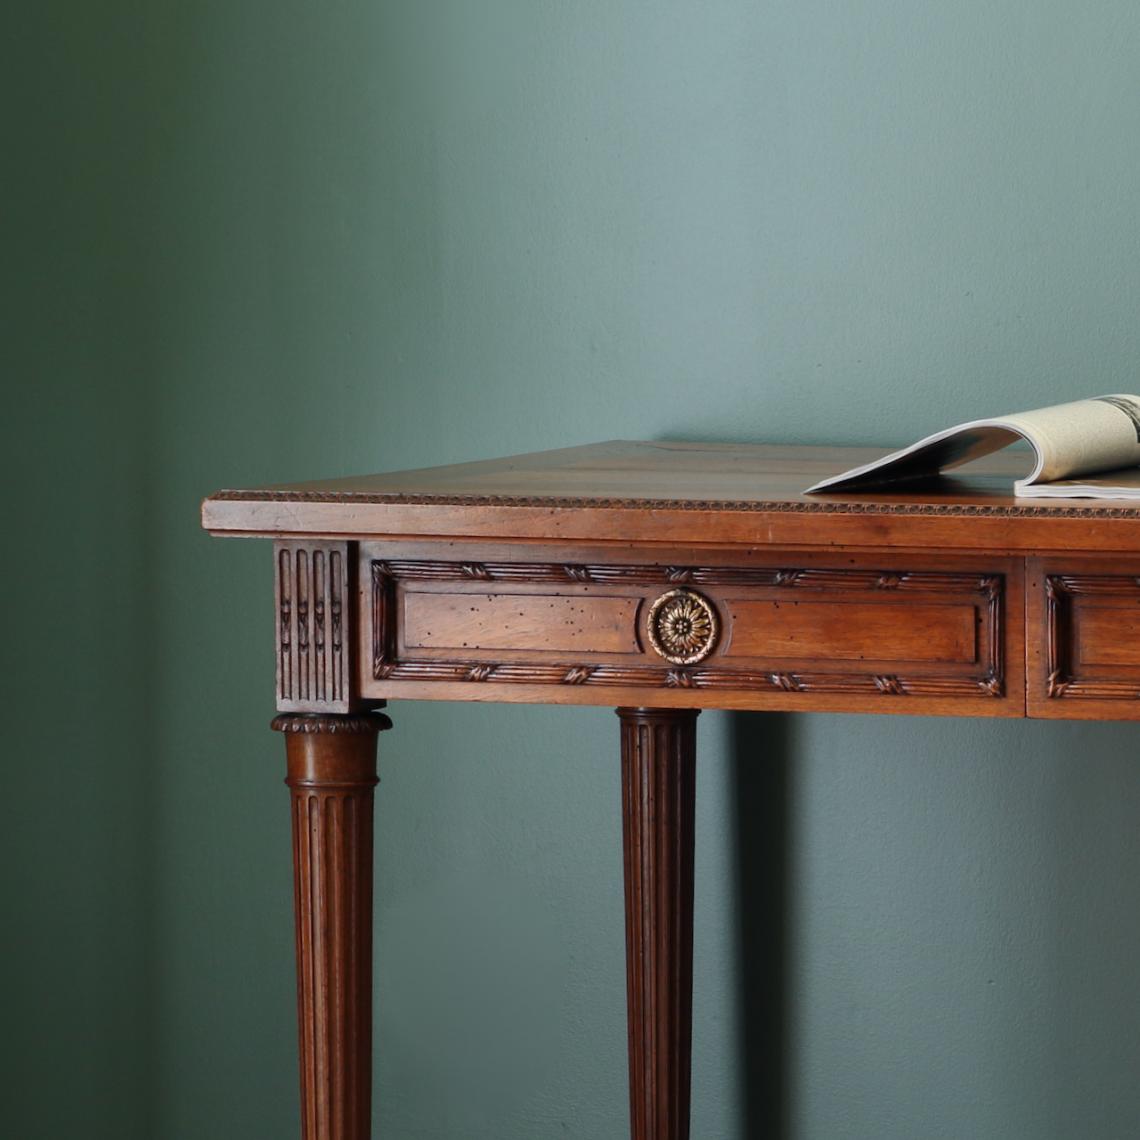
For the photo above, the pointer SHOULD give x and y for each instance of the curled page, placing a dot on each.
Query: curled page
(1068, 440)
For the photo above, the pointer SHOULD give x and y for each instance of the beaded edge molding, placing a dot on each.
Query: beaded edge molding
(751, 506)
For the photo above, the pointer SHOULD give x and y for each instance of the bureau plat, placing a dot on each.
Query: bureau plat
(658, 578)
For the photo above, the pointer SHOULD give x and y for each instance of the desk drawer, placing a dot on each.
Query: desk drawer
(1084, 636)
(798, 633)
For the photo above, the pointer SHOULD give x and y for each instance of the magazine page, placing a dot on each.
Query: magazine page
(1122, 484)
(1079, 438)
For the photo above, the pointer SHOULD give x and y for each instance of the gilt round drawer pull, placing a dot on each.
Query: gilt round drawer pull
(683, 626)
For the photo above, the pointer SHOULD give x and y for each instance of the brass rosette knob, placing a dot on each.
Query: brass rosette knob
(683, 626)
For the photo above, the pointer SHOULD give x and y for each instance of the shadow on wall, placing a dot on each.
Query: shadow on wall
(760, 751)
(971, 895)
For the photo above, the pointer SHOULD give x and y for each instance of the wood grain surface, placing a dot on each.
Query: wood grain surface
(697, 492)
(798, 630)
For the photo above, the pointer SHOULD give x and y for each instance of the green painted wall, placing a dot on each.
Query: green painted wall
(76, 841)
(270, 241)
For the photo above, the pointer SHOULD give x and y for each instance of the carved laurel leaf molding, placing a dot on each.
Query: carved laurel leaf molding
(1060, 590)
(387, 572)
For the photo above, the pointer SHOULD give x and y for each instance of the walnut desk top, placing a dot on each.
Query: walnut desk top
(533, 578)
(729, 494)
(661, 578)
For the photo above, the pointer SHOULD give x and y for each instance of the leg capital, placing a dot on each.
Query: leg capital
(316, 723)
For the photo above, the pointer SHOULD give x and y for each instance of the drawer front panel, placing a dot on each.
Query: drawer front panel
(1107, 635)
(778, 635)
(549, 623)
(1084, 631)
(826, 629)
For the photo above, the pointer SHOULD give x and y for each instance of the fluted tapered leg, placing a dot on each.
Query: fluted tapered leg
(332, 774)
(658, 765)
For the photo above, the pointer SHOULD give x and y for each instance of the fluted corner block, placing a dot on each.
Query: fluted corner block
(658, 756)
(315, 584)
(332, 775)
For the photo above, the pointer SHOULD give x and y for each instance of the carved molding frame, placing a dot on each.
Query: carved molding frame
(1060, 682)
(385, 666)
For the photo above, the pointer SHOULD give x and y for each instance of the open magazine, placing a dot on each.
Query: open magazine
(1086, 449)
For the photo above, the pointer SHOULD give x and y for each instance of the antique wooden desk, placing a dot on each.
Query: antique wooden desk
(660, 578)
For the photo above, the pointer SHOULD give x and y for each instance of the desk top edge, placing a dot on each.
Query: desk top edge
(659, 476)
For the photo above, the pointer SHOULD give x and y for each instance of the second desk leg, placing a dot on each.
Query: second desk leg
(658, 766)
